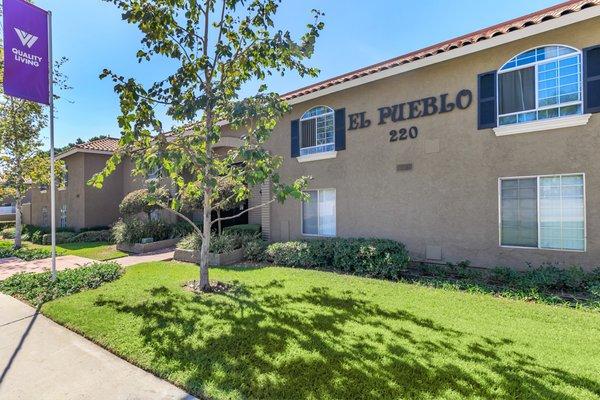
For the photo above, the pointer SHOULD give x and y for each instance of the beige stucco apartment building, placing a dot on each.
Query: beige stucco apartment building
(483, 148)
(79, 205)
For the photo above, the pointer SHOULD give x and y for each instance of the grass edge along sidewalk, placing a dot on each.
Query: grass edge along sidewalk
(100, 251)
(293, 333)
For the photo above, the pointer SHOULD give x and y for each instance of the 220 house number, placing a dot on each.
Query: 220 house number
(403, 134)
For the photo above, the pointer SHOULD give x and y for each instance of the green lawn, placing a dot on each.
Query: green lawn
(100, 251)
(291, 333)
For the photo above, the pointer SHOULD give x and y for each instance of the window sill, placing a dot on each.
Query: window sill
(317, 156)
(544, 125)
(542, 248)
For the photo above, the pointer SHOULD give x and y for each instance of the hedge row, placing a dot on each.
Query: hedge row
(380, 258)
(24, 253)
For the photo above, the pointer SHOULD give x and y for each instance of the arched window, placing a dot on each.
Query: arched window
(540, 84)
(317, 131)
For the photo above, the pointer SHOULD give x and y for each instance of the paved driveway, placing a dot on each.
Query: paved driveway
(40, 359)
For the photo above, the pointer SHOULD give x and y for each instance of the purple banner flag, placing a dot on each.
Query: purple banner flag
(26, 69)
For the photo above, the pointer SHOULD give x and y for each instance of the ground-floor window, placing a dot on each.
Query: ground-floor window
(44, 216)
(63, 216)
(318, 213)
(546, 212)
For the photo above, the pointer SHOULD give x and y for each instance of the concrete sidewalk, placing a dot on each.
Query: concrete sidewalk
(40, 359)
(12, 266)
(162, 255)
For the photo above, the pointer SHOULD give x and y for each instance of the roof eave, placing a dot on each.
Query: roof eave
(532, 30)
(78, 150)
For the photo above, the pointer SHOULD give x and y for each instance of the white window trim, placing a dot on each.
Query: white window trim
(318, 214)
(538, 213)
(331, 112)
(317, 156)
(545, 124)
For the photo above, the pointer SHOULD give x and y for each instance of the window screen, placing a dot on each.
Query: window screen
(318, 213)
(562, 223)
(553, 204)
(519, 212)
(310, 214)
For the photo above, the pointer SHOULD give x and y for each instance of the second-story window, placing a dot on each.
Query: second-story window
(317, 131)
(540, 84)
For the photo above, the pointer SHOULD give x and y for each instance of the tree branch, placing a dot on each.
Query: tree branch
(180, 215)
(243, 212)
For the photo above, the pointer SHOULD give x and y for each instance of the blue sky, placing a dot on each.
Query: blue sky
(357, 33)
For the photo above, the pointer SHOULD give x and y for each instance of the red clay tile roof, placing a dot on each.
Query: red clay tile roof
(107, 144)
(500, 29)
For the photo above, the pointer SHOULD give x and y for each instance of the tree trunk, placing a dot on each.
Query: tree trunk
(18, 224)
(204, 250)
(219, 223)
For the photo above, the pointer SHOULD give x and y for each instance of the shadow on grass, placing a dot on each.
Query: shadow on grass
(261, 342)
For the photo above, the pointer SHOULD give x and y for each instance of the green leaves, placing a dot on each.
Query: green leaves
(216, 48)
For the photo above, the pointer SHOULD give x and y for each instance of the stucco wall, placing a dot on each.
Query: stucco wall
(102, 205)
(73, 196)
(450, 197)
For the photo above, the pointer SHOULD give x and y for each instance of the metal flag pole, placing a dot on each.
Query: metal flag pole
(52, 177)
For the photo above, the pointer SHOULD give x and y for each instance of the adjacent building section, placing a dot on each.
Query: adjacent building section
(481, 148)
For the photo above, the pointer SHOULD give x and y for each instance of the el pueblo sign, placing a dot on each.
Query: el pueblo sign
(411, 110)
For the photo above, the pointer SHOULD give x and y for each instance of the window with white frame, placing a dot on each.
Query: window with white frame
(546, 212)
(63, 216)
(318, 213)
(540, 84)
(317, 131)
(44, 216)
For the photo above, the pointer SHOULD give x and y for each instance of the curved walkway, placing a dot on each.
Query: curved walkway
(12, 266)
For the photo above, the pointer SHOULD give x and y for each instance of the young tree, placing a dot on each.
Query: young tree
(22, 162)
(217, 47)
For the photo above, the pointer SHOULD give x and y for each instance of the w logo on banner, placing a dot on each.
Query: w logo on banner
(26, 38)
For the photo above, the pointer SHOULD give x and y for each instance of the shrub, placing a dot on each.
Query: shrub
(218, 244)
(37, 237)
(379, 258)
(130, 231)
(193, 241)
(34, 233)
(95, 229)
(8, 233)
(37, 288)
(61, 237)
(140, 201)
(6, 224)
(225, 244)
(133, 230)
(594, 290)
(296, 254)
(157, 230)
(181, 229)
(92, 236)
(243, 229)
(23, 253)
(255, 250)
